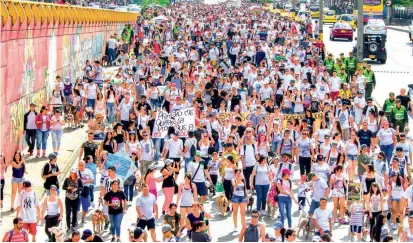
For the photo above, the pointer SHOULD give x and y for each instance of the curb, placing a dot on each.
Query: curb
(398, 29)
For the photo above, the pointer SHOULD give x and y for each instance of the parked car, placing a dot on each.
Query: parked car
(341, 30)
(315, 11)
(375, 26)
(122, 9)
(374, 47)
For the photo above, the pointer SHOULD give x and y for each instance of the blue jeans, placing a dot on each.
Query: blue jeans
(115, 222)
(158, 143)
(111, 56)
(111, 114)
(91, 103)
(388, 151)
(274, 146)
(129, 191)
(56, 138)
(287, 110)
(187, 160)
(41, 140)
(284, 204)
(262, 191)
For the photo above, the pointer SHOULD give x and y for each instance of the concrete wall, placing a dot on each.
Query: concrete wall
(32, 54)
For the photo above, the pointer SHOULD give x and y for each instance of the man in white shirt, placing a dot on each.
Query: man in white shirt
(175, 148)
(322, 219)
(123, 109)
(249, 153)
(28, 209)
(146, 154)
(146, 205)
(112, 44)
(87, 178)
(334, 86)
(359, 104)
(30, 128)
(199, 172)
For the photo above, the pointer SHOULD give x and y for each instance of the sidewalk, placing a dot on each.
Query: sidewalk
(72, 139)
(405, 29)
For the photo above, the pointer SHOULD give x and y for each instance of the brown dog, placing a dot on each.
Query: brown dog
(98, 221)
(223, 204)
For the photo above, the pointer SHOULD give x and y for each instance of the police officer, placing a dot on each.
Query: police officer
(351, 64)
(399, 116)
(388, 106)
(329, 63)
(370, 81)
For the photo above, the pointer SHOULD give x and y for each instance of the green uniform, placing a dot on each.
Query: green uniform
(388, 107)
(399, 117)
(351, 64)
(370, 82)
(329, 63)
(338, 67)
(343, 77)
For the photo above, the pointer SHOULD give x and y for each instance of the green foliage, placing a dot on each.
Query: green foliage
(147, 3)
(402, 3)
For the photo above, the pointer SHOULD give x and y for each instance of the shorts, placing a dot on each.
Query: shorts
(395, 199)
(238, 199)
(31, 227)
(201, 188)
(85, 203)
(313, 206)
(355, 229)
(185, 206)
(146, 223)
(325, 232)
(351, 157)
(17, 180)
(105, 210)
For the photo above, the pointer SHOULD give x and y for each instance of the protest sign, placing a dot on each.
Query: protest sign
(243, 115)
(122, 163)
(317, 116)
(182, 120)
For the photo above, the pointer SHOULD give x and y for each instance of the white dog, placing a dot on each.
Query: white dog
(58, 233)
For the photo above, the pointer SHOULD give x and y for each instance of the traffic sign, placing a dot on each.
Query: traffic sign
(388, 3)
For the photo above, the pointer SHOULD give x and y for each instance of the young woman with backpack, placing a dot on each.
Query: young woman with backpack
(285, 196)
(239, 197)
(187, 195)
(339, 184)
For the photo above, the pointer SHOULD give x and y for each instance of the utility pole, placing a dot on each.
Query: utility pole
(293, 8)
(320, 20)
(360, 31)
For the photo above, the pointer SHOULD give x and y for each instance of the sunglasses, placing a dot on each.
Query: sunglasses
(305, 134)
(145, 135)
(255, 216)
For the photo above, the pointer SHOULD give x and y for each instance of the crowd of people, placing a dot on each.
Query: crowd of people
(290, 107)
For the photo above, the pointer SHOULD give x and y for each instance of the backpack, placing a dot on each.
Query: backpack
(252, 233)
(192, 150)
(61, 95)
(282, 143)
(11, 235)
(67, 90)
(253, 147)
(290, 166)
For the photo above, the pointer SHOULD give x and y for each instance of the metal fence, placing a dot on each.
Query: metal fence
(398, 13)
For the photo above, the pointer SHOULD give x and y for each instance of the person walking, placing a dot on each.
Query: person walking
(239, 198)
(28, 209)
(285, 196)
(115, 200)
(262, 181)
(147, 209)
(87, 178)
(30, 127)
(56, 128)
(43, 123)
(53, 207)
(18, 170)
(252, 231)
(73, 186)
(50, 174)
(18, 233)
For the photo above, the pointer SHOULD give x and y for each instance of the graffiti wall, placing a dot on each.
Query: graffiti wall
(32, 55)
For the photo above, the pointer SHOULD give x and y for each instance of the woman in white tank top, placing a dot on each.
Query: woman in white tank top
(53, 207)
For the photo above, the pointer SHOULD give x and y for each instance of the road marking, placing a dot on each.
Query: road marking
(384, 71)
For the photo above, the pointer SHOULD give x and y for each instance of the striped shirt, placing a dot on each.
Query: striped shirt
(17, 237)
(356, 217)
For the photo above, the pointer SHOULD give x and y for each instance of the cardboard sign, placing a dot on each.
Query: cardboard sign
(182, 120)
(354, 192)
(123, 164)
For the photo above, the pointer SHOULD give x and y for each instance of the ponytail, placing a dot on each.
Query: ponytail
(282, 231)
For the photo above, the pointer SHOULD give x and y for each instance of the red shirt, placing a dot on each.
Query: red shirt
(17, 236)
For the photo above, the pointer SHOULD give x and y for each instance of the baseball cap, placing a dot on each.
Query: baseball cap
(73, 170)
(173, 85)
(363, 146)
(310, 176)
(198, 153)
(316, 238)
(52, 156)
(86, 233)
(286, 171)
(391, 94)
(278, 225)
(399, 149)
(27, 184)
(320, 157)
(166, 228)
(168, 162)
(137, 232)
(178, 98)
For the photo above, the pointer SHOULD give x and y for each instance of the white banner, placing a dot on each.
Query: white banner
(182, 120)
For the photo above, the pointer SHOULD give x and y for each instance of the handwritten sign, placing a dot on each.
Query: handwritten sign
(122, 163)
(317, 116)
(243, 115)
(182, 120)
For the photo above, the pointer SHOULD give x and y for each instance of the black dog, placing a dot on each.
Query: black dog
(250, 202)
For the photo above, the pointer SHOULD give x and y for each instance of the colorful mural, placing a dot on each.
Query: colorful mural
(32, 55)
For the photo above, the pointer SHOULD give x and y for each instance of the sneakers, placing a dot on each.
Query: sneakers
(83, 221)
(44, 154)
(38, 154)
(93, 205)
(263, 213)
(393, 226)
(113, 239)
(343, 221)
(30, 152)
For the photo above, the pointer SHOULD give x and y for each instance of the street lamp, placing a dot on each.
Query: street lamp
(360, 31)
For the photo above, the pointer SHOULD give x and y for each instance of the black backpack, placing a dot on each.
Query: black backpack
(192, 150)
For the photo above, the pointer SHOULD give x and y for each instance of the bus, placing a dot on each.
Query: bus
(372, 9)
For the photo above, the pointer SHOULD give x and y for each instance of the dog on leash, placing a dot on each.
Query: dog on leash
(302, 222)
(58, 233)
(98, 221)
(223, 204)
(69, 117)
